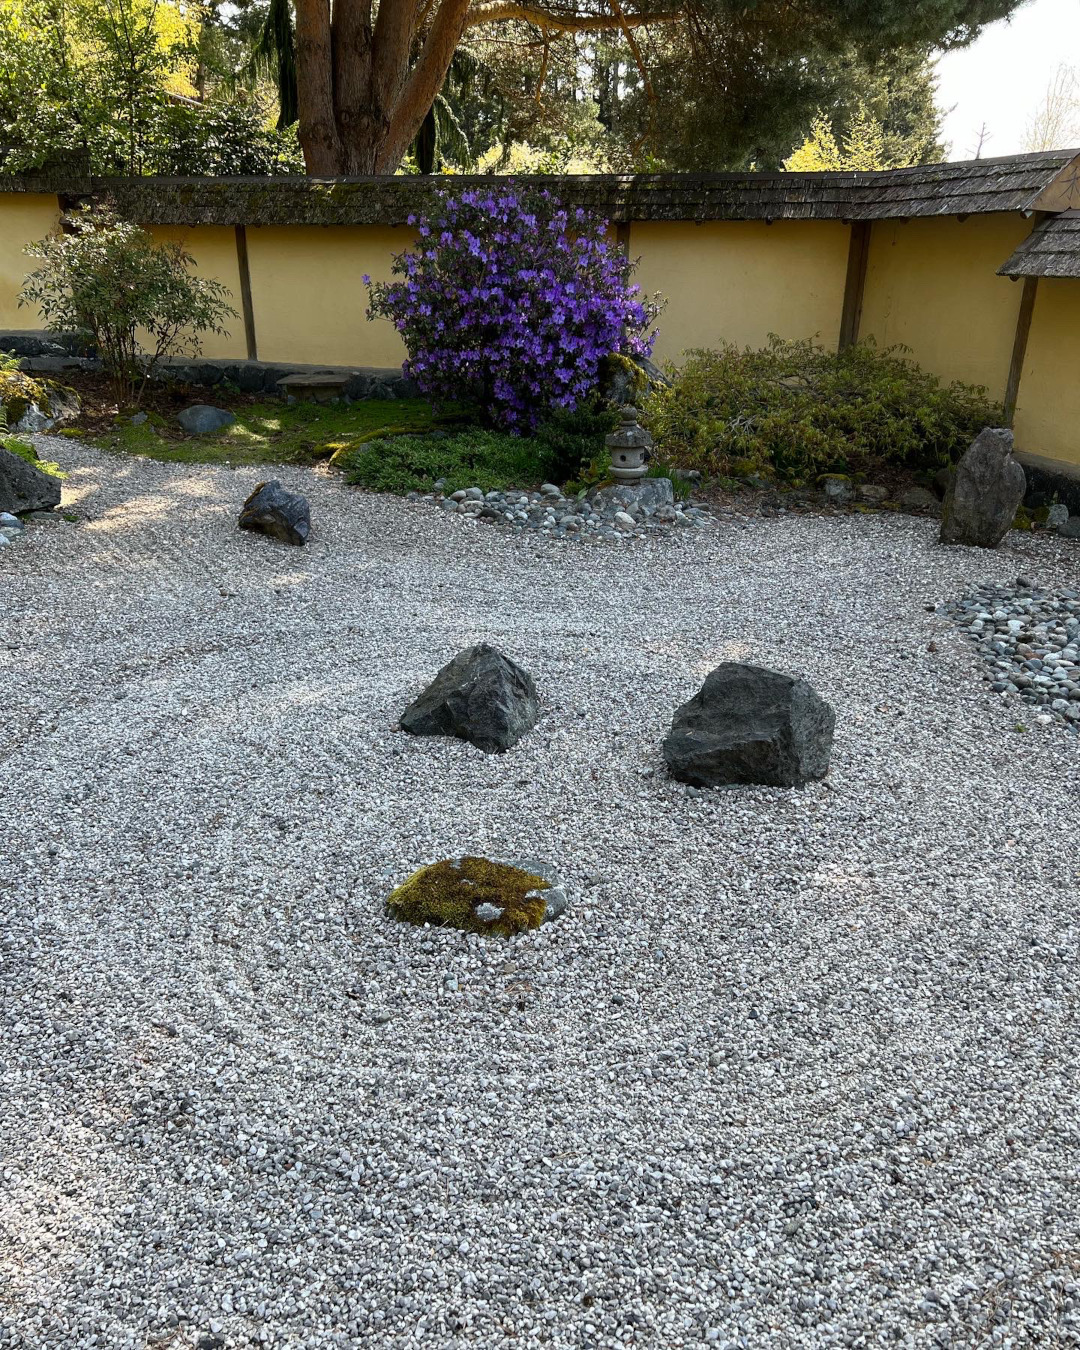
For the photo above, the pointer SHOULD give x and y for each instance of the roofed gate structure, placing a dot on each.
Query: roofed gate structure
(974, 267)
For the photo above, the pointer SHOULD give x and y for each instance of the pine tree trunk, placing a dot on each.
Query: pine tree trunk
(361, 104)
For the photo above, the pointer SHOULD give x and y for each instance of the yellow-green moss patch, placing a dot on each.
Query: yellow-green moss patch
(450, 893)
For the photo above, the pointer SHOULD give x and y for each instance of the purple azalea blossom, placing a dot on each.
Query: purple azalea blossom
(512, 301)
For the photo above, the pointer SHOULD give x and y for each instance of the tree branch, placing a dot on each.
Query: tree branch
(390, 45)
(564, 21)
(423, 83)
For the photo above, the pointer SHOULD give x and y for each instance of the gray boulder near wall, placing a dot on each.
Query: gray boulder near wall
(750, 725)
(282, 515)
(203, 418)
(480, 696)
(985, 493)
(23, 487)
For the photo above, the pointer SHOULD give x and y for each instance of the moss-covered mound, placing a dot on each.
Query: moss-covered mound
(474, 894)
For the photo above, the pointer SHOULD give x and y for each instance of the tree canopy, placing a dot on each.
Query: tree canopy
(133, 86)
(367, 86)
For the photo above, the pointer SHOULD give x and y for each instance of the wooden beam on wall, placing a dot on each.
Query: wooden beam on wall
(246, 305)
(855, 282)
(622, 237)
(1019, 351)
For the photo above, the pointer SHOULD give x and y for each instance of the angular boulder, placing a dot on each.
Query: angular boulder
(282, 515)
(480, 696)
(202, 418)
(23, 486)
(985, 493)
(750, 725)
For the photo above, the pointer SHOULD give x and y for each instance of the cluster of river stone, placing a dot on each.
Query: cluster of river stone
(617, 512)
(1030, 639)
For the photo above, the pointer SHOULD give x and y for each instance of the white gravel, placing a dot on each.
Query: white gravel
(796, 1069)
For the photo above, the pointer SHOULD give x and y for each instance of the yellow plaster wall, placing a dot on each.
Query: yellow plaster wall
(931, 284)
(309, 297)
(214, 249)
(1047, 422)
(739, 281)
(24, 218)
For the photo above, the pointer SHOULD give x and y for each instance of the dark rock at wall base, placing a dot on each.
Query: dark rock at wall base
(46, 344)
(750, 725)
(280, 514)
(481, 696)
(1046, 487)
(985, 493)
(1070, 529)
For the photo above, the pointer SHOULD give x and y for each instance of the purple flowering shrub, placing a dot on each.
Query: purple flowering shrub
(510, 301)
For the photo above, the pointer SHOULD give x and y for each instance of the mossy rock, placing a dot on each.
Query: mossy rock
(473, 894)
(17, 392)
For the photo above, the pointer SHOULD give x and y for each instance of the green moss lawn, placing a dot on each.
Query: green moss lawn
(274, 432)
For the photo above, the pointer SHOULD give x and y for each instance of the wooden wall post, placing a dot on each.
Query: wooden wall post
(245, 293)
(1023, 328)
(1019, 351)
(855, 282)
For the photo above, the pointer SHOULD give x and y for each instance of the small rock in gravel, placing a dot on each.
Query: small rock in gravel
(273, 511)
(481, 696)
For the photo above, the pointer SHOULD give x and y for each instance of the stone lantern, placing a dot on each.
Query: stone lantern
(629, 445)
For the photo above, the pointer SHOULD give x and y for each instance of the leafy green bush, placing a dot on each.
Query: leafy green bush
(137, 300)
(475, 458)
(797, 410)
(491, 460)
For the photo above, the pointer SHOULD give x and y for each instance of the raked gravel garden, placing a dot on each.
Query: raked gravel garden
(796, 1068)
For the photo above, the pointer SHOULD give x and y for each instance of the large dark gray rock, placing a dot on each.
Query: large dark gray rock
(480, 696)
(750, 725)
(23, 487)
(202, 418)
(985, 493)
(282, 515)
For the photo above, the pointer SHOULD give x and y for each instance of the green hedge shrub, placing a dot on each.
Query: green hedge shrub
(796, 410)
(475, 457)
